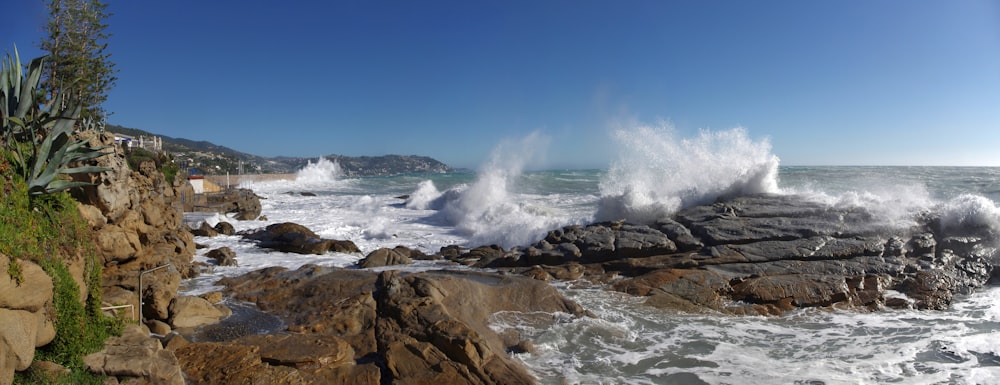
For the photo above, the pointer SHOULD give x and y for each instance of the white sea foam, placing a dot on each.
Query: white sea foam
(423, 197)
(657, 173)
(321, 172)
(632, 343)
(491, 210)
(970, 211)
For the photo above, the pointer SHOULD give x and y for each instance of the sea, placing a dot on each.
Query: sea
(656, 173)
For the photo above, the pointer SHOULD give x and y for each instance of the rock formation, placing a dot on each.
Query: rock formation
(294, 238)
(135, 355)
(241, 202)
(24, 320)
(387, 257)
(355, 326)
(766, 254)
(138, 226)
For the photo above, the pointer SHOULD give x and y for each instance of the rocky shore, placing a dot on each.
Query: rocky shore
(751, 255)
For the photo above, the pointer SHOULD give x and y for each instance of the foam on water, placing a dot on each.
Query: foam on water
(657, 173)
(631, 343)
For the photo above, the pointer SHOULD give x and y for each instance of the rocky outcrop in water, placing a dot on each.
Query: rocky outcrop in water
(356, 326)
(767, 254)
(294, 238)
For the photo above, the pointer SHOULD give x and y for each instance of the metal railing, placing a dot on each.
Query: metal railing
(141, 303)
(129, 306)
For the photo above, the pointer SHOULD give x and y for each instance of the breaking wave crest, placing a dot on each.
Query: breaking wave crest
(490, 210)
(656, 173)
(321, 172)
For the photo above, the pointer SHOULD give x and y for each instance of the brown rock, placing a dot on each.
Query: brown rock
(217, 363)
(205, 231)
(189, 312)
(212, 296)
(118, 245)
(800, 290)
(295, 238)
(429, 327)
(302, 351)
(95, 219)
(47, 371)
(225, 228)
(386, 257)
(135, 354)
(160, 290)
(34, 291)
(158, 327)
(20, 333)
(223, 256)
(174, 341)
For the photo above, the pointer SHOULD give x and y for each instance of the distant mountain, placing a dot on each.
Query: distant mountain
(212, 159)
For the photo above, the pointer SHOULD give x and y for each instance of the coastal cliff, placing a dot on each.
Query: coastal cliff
(129, 221)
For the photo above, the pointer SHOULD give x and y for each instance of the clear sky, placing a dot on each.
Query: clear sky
(885, 82)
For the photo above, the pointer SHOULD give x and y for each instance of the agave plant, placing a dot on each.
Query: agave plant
(17, 96)
(40, 139)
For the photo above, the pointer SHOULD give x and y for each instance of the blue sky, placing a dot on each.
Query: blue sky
(887, 82)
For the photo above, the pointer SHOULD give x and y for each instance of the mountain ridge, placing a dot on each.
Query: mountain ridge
(213, 159)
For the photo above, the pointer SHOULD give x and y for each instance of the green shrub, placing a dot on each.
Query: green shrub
(48, 230)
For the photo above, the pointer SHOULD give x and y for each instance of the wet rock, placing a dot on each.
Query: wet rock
(223, 256)
(386, 257)
(205, 231)
(225, 228)
(770, 253)
(596, 243)
(295, 238)
(429, 326)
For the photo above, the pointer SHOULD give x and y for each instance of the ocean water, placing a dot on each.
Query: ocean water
(656, 174)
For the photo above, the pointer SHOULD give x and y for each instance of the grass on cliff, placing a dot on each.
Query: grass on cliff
(48, 230)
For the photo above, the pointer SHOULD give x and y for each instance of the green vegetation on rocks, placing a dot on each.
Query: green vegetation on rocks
(48, 230)
(39, 220)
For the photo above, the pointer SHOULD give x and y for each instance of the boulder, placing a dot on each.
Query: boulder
(204, 230)
(295, 238)
(159, 292)
(31, 293)
(225, 228)
(136, 355)
(386, 257)
(190, 312)
(222, 256)
(20, 333)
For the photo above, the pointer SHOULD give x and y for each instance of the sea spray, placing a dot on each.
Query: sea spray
(424, 197)
(321, 172)
(657, 173)
(491, 210)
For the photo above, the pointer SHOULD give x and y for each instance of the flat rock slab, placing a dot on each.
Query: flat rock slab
(770, 253)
